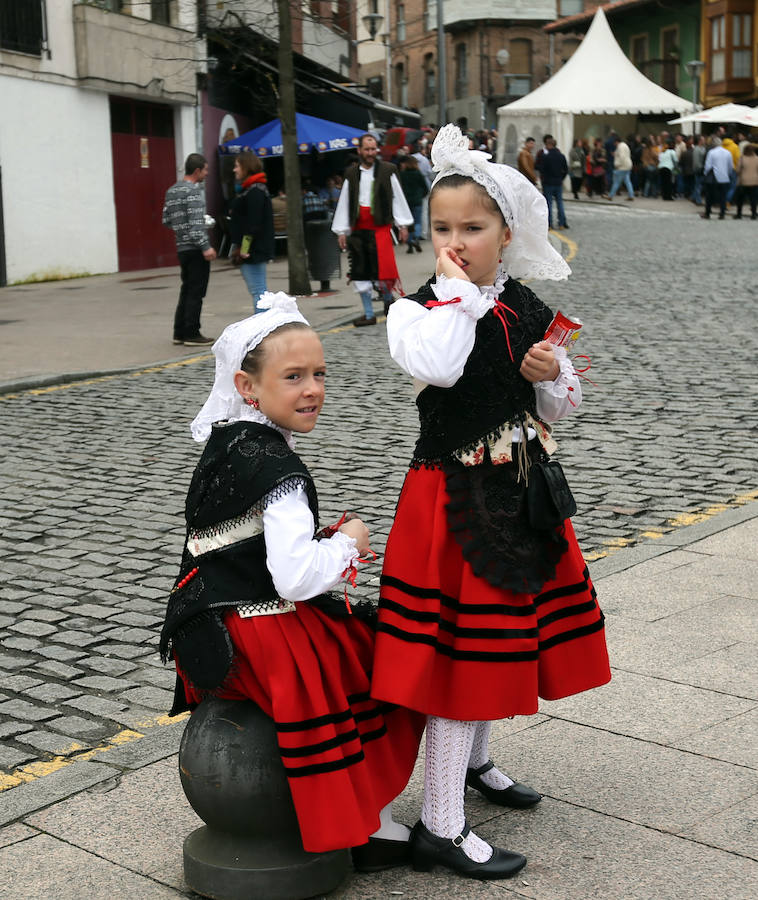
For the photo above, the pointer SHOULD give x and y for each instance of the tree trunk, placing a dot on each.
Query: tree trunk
(299, 282)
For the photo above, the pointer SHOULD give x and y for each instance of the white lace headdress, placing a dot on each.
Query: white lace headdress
(530, 253)
(224, 401)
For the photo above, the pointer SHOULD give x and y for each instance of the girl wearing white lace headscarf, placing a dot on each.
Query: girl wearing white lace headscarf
(251, 616)
(482, 609)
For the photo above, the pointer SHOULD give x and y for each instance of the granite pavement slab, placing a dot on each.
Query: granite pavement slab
(43, 867)
(651, 709)
(639, 781)
(141, 821)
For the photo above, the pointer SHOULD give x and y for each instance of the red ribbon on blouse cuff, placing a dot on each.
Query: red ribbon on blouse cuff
(351, 574)
(500, 309)
(430, 304)
(580, 372)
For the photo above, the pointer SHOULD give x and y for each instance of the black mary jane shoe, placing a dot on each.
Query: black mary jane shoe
(428, 851)
(517, 796)
(379, 854)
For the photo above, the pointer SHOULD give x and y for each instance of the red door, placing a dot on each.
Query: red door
(144, 167)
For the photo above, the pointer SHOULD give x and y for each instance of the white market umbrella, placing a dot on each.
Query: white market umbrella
(727, 112)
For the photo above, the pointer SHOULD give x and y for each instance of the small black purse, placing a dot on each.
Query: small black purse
(549, 500)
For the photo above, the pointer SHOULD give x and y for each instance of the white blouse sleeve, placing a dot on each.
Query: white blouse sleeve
(434, 344)
(401, 212)
(300, 566)
(556, 399)
(341, 220)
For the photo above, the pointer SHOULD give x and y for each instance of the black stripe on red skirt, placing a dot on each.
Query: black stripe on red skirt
(548, 608)
(454, 653)
(301, 758)
(484, 609)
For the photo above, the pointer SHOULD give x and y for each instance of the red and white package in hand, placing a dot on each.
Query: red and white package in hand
(562, 331)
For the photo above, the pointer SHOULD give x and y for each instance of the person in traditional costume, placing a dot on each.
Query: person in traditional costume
(482, 608)
(250, 616)
(370, 202)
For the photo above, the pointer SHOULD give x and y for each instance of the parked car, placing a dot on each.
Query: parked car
(395, 138)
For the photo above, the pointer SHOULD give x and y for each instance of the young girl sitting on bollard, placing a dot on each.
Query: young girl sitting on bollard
(250, 616)
(486, 602)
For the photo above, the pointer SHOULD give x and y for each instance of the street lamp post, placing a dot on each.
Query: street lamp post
(441, 65)
(372, 22)
(694, 67)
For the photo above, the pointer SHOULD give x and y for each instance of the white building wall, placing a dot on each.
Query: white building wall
(187, 138)
(55, 153)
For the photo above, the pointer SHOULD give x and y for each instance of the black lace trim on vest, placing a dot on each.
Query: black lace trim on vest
(488, 518)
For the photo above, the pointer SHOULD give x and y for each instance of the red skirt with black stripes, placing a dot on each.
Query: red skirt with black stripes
(450, 644)
(346, 755)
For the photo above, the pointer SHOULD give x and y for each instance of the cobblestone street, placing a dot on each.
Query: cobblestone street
(93, 476)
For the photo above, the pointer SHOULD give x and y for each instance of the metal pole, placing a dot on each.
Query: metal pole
(441, 66)
(388, 54)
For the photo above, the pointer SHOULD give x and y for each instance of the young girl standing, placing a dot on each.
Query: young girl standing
(480, 612)
(250, 617)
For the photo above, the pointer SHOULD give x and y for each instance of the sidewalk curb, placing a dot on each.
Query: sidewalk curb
(162, 741)
(158, 742)
(43, 381)
(675, 540)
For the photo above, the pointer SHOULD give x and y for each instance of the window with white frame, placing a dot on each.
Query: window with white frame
(718, 48)
(570, 7)
(639, 50)
(430, 81)
(401, 22)
(670, 56)
(519, 79)
(742, 45)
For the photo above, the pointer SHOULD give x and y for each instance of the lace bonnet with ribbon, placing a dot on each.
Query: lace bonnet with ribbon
(224, 402)
(530, 253)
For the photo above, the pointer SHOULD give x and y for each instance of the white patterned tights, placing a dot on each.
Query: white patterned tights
(479, 756)
(448, 749)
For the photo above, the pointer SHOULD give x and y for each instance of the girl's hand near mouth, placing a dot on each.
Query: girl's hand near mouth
(450, 264)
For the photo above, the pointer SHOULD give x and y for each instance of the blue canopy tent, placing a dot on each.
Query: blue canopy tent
(312, 133)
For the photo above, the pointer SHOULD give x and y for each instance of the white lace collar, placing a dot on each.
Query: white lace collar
(251, 414)
(493, 291)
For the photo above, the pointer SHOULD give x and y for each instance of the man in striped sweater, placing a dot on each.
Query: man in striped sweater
(184, 212)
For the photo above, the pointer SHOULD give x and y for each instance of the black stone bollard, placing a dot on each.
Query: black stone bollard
(250, 846)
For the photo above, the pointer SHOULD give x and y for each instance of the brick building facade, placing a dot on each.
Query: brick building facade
(495, 53)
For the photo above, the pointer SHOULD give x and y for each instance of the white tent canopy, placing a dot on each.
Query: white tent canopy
(727, 112)
(598, 80)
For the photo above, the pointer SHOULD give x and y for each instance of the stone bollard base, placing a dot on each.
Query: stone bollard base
(250, 847)
(227, 867)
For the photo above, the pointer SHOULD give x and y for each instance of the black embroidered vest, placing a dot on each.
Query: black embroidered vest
(486, 512)
(381, 206)
(242, 463)
(491, 395)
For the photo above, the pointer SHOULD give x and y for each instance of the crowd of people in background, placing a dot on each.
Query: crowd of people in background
(718, 171)
(668, 166)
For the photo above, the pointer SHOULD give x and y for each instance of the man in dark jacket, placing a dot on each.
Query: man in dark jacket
(553, 168)
(184, 212)
(370, 201)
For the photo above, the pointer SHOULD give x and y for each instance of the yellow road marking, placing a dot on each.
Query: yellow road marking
(573, 247)
(76, 752)
(36, 770)
(681, 521)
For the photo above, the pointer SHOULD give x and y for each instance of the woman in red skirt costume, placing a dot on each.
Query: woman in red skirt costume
(250, 617)
(482, 609)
